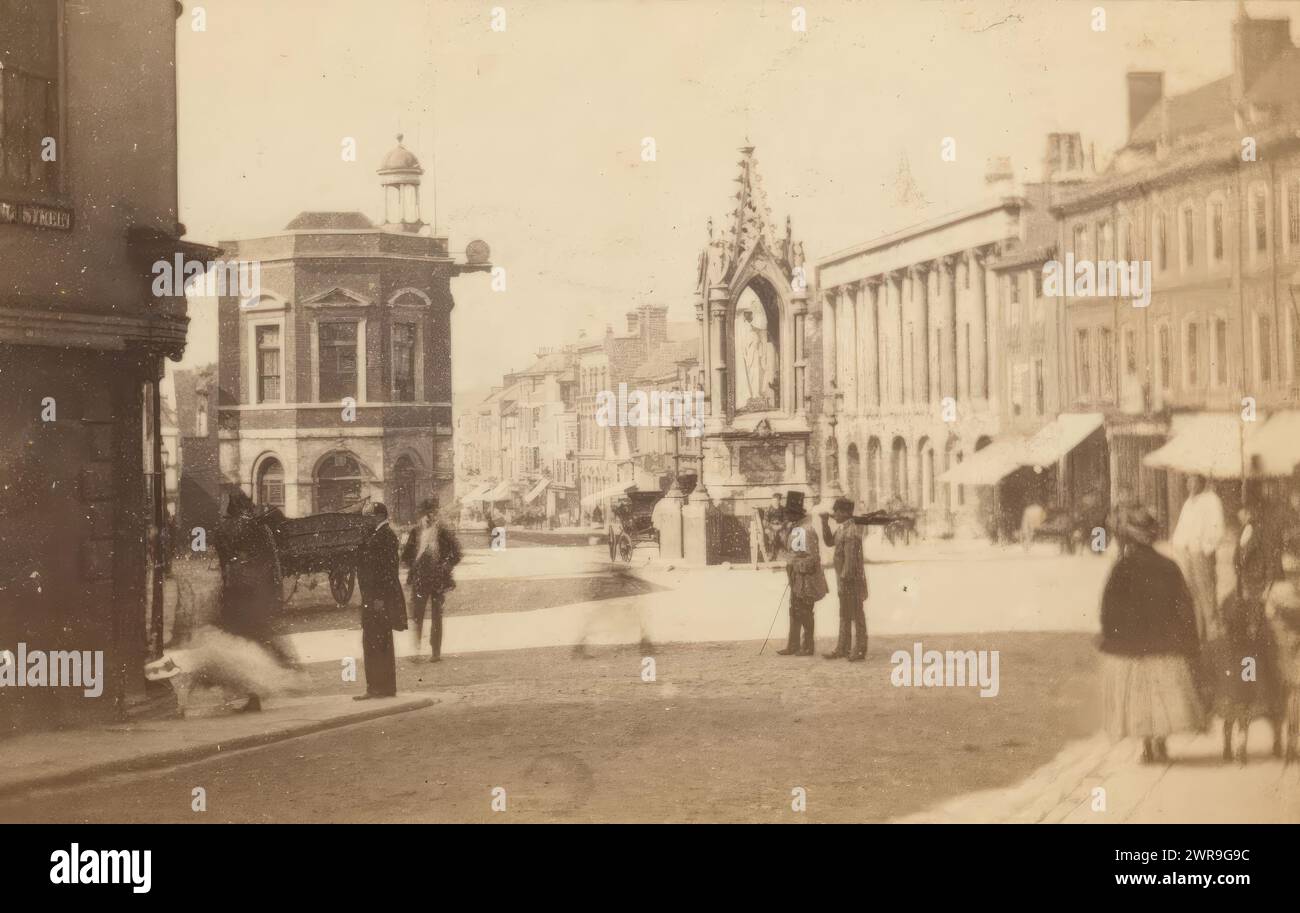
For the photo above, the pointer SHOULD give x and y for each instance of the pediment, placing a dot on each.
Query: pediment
(338, 297)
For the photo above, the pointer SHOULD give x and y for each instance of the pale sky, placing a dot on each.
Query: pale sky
(532, 137)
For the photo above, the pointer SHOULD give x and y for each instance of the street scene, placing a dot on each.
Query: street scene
(636, 412)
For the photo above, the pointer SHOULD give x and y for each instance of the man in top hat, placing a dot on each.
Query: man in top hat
(850, 581)
(383, 609)
(803, 567)
(431, 552)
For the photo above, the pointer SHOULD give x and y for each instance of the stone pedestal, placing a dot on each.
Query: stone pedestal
(694, 525)
(667, 519)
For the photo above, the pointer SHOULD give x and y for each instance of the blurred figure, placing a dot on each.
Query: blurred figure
(250, 580)
(1196, 539)
(1148, 642)
(1238, 698)
(803, 569)
(1282, 609)
(430, 554)
(383, 607)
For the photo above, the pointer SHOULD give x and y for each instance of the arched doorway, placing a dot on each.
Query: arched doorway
(406, 480)
(898, 471)
(269, 490)
(873, 473)
(854, 474)
(925, 471)
(338, 482)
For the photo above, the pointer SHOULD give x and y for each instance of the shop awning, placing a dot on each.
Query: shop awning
(500, 493)
(990, 465)
(1056, 439)
(1275, 447)
(605, 494)
(1005, 455)
(536, 490)
(1212, 444)
(478, 492)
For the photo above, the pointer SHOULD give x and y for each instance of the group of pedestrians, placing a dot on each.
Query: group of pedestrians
(1176, 654)
(807, 579)
(251, 586)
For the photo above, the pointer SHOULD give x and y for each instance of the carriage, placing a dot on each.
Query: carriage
(321, 543)
(632, 523)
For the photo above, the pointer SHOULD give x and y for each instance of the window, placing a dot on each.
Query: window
(1219, 370)
(1130, 353)
(1039, 388)
(29, 93)
(403, 363)
(338, 361)
(1159, 241)
(1106, 360)
(1293, 212)
(1193, 353)
(1259, 217)
(1216, 231)
(1189, 239)
(1164, 354)
(268, 364)
(1265, 348)
(1083, 362)
(270, 484)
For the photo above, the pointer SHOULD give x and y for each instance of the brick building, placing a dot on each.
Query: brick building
(335, 380)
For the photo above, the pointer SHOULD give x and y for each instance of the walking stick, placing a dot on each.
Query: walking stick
(774, 617)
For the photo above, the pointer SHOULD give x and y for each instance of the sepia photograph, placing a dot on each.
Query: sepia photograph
(650, 412)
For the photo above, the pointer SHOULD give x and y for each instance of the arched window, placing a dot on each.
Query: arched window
(898, 471)
(270, 484)
(338, 482)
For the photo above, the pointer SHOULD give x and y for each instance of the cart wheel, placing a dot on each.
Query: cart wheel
(625, 547)
(341, 584)
(613, 544)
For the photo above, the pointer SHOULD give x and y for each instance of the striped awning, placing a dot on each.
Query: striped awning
(536, 490)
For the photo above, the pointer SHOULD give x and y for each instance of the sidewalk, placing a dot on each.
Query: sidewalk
(1197, 787)
(45, 759)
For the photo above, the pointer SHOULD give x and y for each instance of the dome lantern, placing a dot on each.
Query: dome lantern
(399, 175)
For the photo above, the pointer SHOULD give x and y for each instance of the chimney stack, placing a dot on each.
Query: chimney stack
(1256, 44)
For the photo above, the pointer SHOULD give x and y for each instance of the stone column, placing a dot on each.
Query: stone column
(852, 363)
(978, 354)
(948, 318)
(830, 338)
(705, 350)
(721, 393)
(871, 342)
(921, 369)
(897, 340)
(799, 353)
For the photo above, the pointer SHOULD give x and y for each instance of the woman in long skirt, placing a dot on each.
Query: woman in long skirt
(1149, 642)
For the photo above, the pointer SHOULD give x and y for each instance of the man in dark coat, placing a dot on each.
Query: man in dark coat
(430, 553)
(250, 579)
(850, 581)
(383, 607)
(803, 568)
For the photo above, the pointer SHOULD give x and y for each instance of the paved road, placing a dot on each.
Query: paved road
(721, 734)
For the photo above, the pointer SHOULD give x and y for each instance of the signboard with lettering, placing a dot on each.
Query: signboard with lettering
(35, 215)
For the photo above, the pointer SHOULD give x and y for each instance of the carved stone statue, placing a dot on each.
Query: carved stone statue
(758, 363)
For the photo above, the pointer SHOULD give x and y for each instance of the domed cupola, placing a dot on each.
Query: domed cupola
(399, 175)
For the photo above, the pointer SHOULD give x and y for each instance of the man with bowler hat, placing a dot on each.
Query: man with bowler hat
(431, 552)
(850, 581)
(803, 567)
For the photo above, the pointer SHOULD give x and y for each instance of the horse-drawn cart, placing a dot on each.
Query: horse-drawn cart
(322, 543)
(632, 523)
